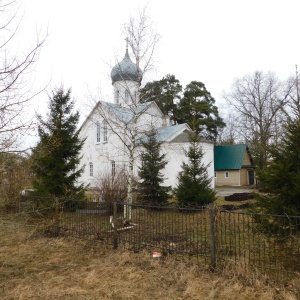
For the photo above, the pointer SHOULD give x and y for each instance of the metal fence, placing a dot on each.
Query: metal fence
(269, 243)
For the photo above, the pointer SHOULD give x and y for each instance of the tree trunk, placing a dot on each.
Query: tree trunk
(127, 207)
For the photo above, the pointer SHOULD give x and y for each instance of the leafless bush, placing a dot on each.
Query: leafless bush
(112, 187)
(14, 176)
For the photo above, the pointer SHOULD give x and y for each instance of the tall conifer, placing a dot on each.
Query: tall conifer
(56, 157)
(281, 178)
(150, 188)
(193, 187)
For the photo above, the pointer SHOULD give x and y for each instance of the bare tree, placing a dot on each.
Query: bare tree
(143, 40)
(123, 118)
(15, 71)
(228, 134)
(258, 101)
(292, 110)
(125, 125)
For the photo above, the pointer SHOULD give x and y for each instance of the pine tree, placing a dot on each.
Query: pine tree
(197, 108)
(165, 92)
(193, 187)
(56, 157)
(150, 188)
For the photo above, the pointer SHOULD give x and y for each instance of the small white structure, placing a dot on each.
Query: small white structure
(112, 131)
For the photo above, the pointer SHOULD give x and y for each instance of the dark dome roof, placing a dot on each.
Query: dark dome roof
(125, 70)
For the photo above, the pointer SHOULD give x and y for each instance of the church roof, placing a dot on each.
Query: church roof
(126, 114)
(166, 134)
(170, 133)
(126, 70)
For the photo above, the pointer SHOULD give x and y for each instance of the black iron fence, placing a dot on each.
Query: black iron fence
(270, 243)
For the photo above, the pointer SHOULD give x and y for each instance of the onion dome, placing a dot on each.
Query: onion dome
(125, 70)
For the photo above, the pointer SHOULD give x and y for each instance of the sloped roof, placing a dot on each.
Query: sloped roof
(165, 134)
(125, 114)
(229, 157)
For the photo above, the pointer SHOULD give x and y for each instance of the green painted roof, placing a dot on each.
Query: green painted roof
(229, 157)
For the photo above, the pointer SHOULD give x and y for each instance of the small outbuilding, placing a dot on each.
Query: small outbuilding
(233, 165)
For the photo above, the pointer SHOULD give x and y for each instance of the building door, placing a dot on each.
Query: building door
(251, 177)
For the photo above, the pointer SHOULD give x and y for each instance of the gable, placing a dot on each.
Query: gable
(169, 133)
(232, 157)
(155, 109)
(124, 114)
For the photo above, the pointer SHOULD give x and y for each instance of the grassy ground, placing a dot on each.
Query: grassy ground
(33, 266)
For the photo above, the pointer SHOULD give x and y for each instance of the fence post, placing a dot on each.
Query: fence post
(115, 222)
(212, 237)
(19, 204)
(57, 217)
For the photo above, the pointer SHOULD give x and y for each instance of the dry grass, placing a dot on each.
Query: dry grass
(33, 266)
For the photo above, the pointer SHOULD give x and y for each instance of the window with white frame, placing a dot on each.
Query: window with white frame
(105, 138)
(142, 160)
(98, 133)
(135, 96)
(113, 168)
(91, 169)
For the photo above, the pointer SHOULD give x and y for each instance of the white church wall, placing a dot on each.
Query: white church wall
(102, 153)
(175, 157)
(152, 118)
(99, 153)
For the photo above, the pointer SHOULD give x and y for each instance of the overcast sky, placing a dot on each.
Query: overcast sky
(212, 41)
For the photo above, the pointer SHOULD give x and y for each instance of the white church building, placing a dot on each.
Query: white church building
(113, 130)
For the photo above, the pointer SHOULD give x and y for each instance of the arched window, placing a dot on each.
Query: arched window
(117, 97)
(105, 137)
(91, 169)
(98, 132)
(126, 96)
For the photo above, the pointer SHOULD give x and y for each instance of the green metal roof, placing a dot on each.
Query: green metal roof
(229, 157)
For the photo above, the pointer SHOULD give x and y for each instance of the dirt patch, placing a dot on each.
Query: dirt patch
(239, 197)
(228, 190)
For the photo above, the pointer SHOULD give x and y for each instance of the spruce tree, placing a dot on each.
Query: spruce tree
(56, 157)
(150, 188)
(193, 187)
(281, 178)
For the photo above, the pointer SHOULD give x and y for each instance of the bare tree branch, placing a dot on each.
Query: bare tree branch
(16, 68)
(258, 101)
